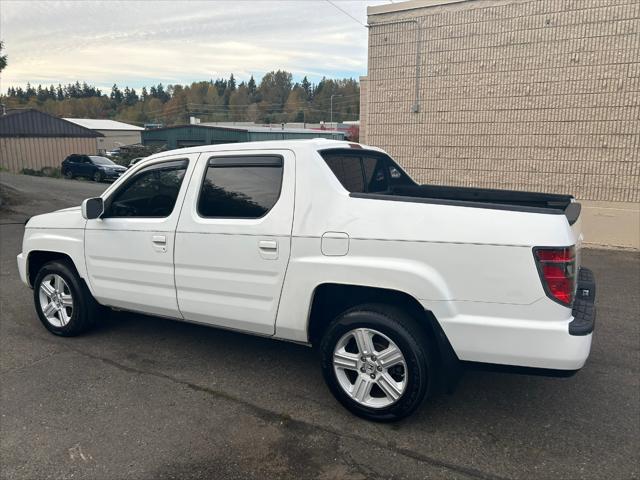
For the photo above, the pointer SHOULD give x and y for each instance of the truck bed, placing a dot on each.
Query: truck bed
(533, 202)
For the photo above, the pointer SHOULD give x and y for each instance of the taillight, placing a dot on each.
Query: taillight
(557, 267)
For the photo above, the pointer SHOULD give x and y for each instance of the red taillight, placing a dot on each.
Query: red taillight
(557, 271)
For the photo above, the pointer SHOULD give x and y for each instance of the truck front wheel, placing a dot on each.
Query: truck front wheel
(376, 362)
(64, 304)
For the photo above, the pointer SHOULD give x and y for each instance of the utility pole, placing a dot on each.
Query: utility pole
(331, 114)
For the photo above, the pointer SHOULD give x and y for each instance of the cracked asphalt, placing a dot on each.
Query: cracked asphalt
(148, 398)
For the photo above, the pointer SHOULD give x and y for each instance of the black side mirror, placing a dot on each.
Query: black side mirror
(92, 208)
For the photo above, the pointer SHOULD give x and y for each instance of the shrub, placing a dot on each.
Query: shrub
(53, 172)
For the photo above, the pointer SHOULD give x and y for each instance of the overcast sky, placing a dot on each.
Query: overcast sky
(147, 42)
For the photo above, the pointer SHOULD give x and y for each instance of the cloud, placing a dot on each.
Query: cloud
(147, 42)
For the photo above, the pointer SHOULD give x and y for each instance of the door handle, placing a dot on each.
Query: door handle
(159, 239)
(268, 249)
(268, 245)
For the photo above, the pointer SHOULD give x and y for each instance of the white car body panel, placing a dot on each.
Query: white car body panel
(223, 275)
(126, 269)
(473, 268)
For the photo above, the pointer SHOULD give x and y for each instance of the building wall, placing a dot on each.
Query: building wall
(18, 153)
(117, 138)
(536, 95)
(177, 137)
(187, 136)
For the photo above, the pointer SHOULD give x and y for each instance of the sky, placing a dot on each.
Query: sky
(138, 43)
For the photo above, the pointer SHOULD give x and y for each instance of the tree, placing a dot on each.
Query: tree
(3, 58)
(296, 105)
(238, 104)
(306, 86)
(276, 99)
(116, 95)
(274, 89)
(252, 88)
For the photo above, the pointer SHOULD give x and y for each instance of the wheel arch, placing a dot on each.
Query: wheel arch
(331, 299)
(38, 258)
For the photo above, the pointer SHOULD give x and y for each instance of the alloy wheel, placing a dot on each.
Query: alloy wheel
(370, 367)
(56, 300)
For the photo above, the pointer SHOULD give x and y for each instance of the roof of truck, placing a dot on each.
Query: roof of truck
(316, 143)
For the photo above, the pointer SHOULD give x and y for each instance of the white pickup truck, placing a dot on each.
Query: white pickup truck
(330, 244)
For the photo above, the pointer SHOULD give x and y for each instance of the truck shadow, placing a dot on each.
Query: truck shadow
(285, 377)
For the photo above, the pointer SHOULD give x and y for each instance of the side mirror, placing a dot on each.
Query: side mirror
(92, 208)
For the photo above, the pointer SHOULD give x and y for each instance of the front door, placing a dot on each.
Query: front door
(129, 250)
(234, 238)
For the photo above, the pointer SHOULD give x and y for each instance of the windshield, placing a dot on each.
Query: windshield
(100, 160)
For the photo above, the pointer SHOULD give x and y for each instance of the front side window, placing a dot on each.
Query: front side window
(152, 192)
(240, 187)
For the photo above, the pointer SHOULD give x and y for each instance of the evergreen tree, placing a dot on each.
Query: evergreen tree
(3, 58)
(306, 86)
(116, 95)
(251, 86)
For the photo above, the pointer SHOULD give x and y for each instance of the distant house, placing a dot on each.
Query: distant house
(34, 140)
(114, 134)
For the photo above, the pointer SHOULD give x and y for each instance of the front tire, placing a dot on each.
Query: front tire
(63, 302)
(68, 175)
(376, 362)
(98, 177)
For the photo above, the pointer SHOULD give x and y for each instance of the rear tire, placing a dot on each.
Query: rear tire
(98, 177)
(62, 300)
(379, 384)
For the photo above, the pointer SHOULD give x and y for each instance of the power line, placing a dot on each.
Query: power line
(346, 13)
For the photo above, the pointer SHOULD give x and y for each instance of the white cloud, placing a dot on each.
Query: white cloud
(147, 42)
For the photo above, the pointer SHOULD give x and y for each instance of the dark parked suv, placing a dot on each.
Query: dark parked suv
(91, 166)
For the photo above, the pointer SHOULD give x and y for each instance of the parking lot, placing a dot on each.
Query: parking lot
(142, 397)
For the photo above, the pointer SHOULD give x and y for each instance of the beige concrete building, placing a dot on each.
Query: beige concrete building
(539, 95)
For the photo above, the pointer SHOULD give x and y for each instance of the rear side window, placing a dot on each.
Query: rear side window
(365, 172)
(240, 187)
(152, 192)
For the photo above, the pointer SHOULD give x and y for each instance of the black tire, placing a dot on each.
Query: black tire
(98, 177)
(85, 309)
(68, 175)
(404, 331)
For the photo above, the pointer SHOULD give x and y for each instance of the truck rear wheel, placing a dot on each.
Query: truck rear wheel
(63, 302)
(375, 360)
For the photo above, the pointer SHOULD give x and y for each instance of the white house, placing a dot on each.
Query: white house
(116, 134)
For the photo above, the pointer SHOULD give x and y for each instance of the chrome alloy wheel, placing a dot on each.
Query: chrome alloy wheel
(370, 367)
(56, 300)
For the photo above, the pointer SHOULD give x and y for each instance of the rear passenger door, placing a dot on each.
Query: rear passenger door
(233, 239)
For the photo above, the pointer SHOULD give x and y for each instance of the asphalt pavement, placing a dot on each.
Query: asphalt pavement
(148, 398)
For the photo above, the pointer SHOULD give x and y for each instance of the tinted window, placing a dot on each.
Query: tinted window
(151, 193)
(240, 187)
(348, 170)
(101, 160)
(361, 172)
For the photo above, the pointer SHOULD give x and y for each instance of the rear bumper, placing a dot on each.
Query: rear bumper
(112, 175)
(523, 335)
(584, 310)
